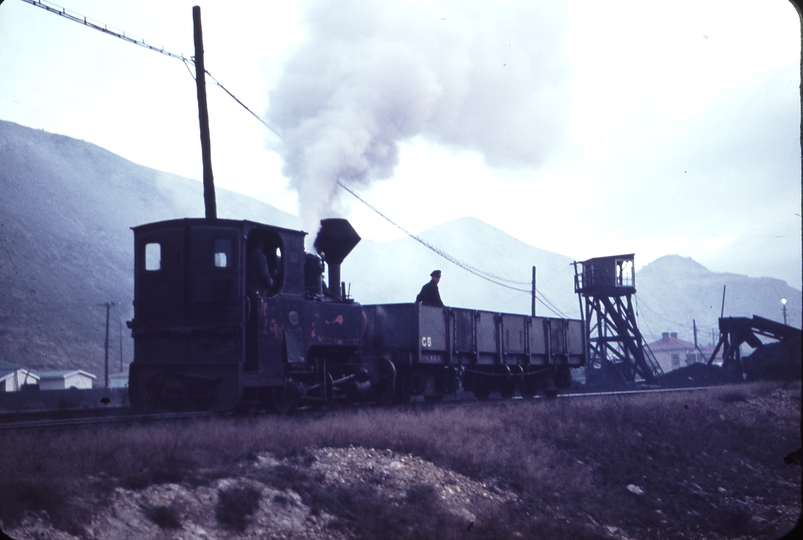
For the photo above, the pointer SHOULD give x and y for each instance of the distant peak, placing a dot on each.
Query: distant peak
(675, 263)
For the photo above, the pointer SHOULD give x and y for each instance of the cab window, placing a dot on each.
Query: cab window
(223, 257)
(153, 257)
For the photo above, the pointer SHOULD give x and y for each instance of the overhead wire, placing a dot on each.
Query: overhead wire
(497, 280)
(492, 278)
(58, 10)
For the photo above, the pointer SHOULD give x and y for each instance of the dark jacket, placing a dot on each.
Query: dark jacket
(258, 276)
(429, 295)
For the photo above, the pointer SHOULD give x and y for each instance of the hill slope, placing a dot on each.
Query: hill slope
(66, 209)
(673, 291)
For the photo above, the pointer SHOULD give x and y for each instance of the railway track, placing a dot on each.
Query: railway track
(122, 415)
(45, 420)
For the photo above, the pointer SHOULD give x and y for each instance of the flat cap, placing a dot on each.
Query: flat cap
(436, 273)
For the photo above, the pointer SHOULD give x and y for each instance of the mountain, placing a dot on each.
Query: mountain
(672, 291)
(66, 249)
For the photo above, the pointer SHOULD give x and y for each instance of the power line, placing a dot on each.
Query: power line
(476, 271)
(243, 105)
(58, 10)
(497, 280)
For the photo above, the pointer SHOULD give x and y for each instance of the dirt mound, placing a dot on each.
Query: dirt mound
(697, 375)
(775, 361)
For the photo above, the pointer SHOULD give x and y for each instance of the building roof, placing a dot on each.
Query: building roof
(670, 342)
(63, 374)
(7, 368)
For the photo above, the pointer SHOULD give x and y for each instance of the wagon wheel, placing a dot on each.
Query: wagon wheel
(563, 378)
(550, 390)
(528, 387)
(285, 399)
(507, 389)
(482, 391)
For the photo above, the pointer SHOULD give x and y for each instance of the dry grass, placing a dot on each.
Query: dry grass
(689, 452)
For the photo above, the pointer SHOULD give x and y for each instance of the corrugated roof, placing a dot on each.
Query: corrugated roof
(6, 372)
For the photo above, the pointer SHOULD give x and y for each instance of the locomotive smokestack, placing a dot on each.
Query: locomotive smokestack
(336, 238)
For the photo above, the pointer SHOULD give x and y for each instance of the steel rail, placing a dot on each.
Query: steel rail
(460, 398)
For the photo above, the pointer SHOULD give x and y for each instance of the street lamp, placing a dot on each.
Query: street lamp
(783, 301)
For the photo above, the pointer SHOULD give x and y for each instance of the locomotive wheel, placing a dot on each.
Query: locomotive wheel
(285, 400)
(401, 398)
(384, 392)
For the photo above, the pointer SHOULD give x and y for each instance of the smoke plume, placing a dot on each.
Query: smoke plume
(478, 76)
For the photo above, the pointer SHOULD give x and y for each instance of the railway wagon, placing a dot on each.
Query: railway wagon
(432, 348)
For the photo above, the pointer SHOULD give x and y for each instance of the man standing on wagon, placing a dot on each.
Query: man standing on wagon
(429, 295)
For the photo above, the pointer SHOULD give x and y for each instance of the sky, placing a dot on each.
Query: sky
(580, 128)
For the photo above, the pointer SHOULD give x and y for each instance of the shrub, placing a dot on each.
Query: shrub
(235, 506)
(166, 517)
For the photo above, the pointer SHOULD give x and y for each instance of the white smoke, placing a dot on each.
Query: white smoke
(488, 77)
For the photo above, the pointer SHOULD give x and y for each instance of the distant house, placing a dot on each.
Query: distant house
(64, 379)
(672, 352)
(14, 377)
(118, 380)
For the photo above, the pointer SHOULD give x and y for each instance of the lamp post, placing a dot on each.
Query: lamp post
(783, 301)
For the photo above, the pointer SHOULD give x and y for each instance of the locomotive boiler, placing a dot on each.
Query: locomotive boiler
(204, 339)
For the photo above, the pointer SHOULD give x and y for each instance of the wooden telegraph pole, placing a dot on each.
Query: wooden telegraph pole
(203, 116)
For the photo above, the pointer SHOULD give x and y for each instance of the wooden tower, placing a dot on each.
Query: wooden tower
(605, 286)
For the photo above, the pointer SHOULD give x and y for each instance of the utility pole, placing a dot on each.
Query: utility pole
(533, 298)
(203, 116)
(106, 357)
(108, 305)
(121, 345)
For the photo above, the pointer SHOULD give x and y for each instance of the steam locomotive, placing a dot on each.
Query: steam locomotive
(203, 340)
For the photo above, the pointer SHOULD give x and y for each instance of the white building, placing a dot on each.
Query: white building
(64, 379)
(118, 380)
(13, 377)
